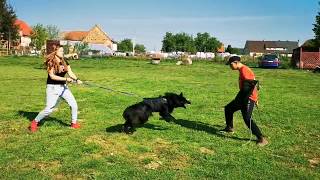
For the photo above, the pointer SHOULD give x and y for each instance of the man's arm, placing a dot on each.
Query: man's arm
(246, 90)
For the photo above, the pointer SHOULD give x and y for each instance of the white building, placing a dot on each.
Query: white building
(25, 32)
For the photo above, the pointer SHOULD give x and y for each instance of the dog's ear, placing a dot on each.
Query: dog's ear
(181, 94)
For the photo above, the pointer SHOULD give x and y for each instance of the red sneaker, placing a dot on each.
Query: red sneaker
(33, 126)
(75, 125)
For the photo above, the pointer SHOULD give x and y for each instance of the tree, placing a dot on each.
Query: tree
(213, 44)
(81, 48)
(205, 43)
(125, 45)
(316, 30)
(168, 43)
(232, 50)
(186, 43)
(201, 41)
(39, 36)
(53, 31)
(178, 42)
(140, 48)
(229, 49)
(7, 20)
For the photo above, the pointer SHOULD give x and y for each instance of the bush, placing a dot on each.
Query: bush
(220, 60)
(285, 62)
(247, 60)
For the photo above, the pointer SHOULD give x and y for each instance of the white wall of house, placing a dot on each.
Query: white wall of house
(260, 54)
(67, 42)
(25, 41)
(255, 54)
(114, 47)
(276, 49)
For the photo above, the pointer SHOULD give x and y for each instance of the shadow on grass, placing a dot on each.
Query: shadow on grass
(119, 127)
(31, 115)
(208, 128)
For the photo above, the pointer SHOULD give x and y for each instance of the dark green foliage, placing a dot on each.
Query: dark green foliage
(7, 20)
(184, 42)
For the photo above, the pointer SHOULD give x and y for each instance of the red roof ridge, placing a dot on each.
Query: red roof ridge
(75, 35)
(24, 27)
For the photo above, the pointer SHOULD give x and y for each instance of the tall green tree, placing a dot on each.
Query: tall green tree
(201, 42)
(205, 43)
(213, 44)
(39, 36)
(232, 50)
(7, 20)
(178, 42)
(53, 31)
(186, 43)
(316, 29)
(125, 45)
(168, 43)
(139, 48)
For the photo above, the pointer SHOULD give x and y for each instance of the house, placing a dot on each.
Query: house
(25, 32)
(95, 37)
(258, 48)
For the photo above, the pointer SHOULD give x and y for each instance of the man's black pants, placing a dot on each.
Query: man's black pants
(246, 111)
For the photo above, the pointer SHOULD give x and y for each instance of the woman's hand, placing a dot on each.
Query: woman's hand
(69, 80)
(78, 81)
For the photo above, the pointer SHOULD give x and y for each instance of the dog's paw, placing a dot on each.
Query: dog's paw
(129, 132)
(169, 119)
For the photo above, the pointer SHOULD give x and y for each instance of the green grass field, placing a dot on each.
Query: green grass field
(189, 148)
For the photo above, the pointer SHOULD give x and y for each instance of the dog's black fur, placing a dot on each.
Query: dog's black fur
(139, 113)
(317, 69)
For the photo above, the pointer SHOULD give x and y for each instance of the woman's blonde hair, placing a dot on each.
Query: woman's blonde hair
(50, 62)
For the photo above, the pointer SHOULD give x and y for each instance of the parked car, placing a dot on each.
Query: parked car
(269, 60)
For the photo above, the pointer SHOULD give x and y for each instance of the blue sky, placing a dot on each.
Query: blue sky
(231, 21)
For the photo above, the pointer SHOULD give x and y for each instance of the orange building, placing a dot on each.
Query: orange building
(221, 49)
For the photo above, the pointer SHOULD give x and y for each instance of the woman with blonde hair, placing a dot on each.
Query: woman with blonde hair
(57, 88)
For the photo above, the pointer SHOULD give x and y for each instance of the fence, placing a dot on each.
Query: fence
(306, 58)
(4, 48)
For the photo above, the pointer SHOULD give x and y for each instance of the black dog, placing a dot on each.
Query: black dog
(317, 69)
(140, 112)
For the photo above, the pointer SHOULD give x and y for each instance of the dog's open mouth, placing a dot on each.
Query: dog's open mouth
(187, 104)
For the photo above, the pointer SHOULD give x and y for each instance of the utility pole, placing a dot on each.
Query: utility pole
(9, 45)
(133, 46)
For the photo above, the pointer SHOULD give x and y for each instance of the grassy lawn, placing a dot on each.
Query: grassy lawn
(188, 148)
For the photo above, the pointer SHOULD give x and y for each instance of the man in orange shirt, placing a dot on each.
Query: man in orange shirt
(245, 100)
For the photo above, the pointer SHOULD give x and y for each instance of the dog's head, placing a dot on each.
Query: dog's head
(177, 100)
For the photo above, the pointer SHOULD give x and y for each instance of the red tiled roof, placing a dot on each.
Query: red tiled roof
(24, 27)
(76, 35)
(221, 49)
